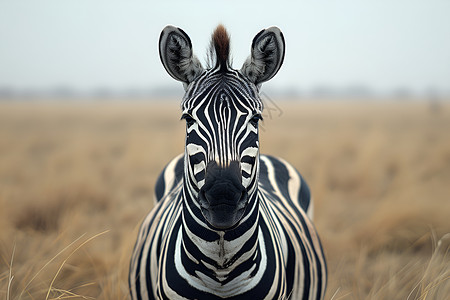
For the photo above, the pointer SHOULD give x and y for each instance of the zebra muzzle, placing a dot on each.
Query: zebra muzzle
(223, 199)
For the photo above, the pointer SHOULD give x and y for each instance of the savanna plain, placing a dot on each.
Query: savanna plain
(76, 180)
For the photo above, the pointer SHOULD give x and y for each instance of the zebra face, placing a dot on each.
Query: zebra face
(222, 145)
(222, 109)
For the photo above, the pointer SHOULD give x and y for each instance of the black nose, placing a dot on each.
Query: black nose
(223, 198)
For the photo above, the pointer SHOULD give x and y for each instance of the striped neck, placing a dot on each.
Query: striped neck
(214, 254)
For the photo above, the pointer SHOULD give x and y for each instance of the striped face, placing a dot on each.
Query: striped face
(222, 110)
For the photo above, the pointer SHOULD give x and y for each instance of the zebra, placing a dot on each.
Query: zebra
(228, 222)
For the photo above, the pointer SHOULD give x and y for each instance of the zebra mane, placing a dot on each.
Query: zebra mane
(219, 49)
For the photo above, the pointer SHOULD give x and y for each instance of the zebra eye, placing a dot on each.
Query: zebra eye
(188, 118)
(255, 119)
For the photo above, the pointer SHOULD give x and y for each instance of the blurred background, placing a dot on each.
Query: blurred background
(89, 117)
(334, 48)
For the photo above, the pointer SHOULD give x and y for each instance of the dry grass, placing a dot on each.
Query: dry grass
(379, 173)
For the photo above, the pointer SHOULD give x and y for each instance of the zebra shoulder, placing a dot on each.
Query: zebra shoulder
(169, 178)
(281, 177)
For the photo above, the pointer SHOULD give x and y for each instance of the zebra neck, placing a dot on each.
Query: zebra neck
(220, 251)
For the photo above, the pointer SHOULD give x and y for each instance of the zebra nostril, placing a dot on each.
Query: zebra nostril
(243, 201)
(202, 198)
(243, 196)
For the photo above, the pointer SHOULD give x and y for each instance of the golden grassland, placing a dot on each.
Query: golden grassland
(76, 179)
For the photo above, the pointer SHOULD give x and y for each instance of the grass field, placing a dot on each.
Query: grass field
(76, 179)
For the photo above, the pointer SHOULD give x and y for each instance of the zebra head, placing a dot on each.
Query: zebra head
(221, 108)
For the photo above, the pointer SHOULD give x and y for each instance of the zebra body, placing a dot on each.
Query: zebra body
(227, 222)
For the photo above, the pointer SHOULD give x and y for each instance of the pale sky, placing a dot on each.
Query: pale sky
(85, 44)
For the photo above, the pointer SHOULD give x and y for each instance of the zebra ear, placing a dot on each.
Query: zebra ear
(175, 51)
(266, 57)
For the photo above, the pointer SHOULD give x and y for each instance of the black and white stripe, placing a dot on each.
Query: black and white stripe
(228, 222)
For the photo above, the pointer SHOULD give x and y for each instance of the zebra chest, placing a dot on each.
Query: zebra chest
(236, 269)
